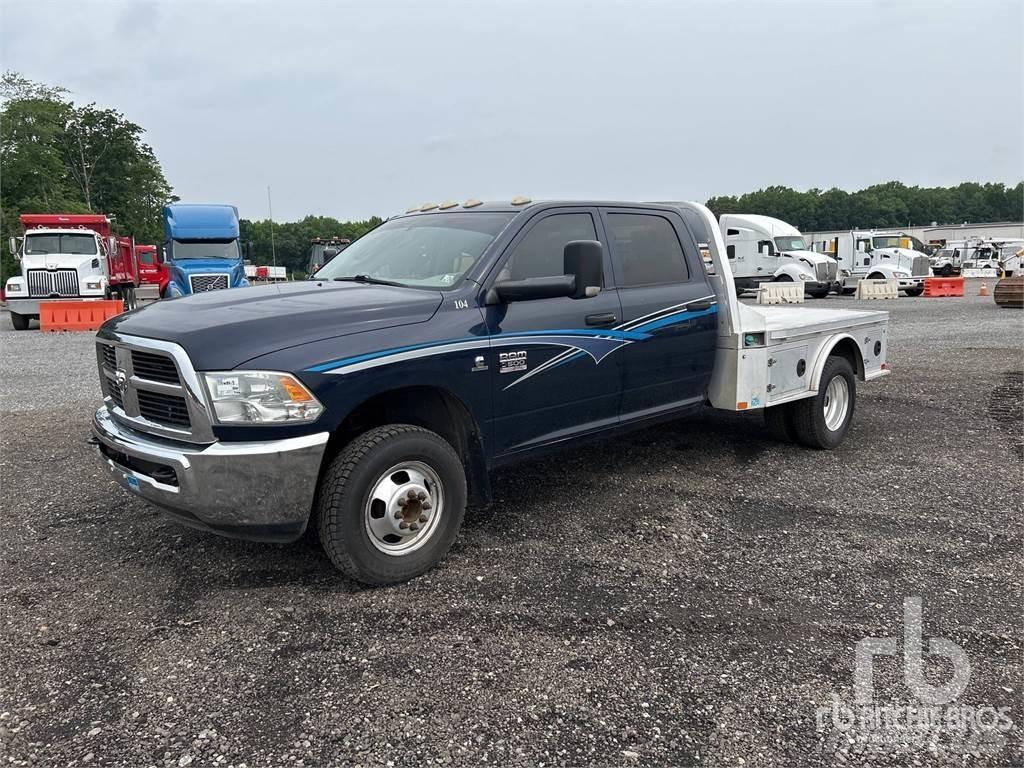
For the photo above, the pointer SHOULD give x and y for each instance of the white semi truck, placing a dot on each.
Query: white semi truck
(764, 249)
(870, 254)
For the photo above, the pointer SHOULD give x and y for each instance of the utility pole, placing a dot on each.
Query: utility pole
(270, 211)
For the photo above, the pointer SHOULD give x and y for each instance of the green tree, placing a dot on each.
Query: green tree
(60, 158)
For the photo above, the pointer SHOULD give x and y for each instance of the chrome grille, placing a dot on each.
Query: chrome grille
(150, 386)
(920, 266)
(146, 365)
(201, 283)
(59, 282)
(821, 272)
(163, 409)
(109, 356)
(833, 270)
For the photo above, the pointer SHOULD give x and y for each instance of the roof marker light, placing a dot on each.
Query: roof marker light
(520, 200)
(472, 203)
(428, 206)
(413, 209)
(448, 204)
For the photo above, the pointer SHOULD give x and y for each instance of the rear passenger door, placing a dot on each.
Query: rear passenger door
(666, 298)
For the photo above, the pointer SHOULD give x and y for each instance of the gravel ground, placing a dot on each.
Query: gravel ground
(692, 599)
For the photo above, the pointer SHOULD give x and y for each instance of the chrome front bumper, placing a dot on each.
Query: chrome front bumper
(254, 490)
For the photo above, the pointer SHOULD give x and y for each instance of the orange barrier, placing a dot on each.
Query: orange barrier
(943, 286)
(77, 315)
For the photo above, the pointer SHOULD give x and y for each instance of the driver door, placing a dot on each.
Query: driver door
(554, 363)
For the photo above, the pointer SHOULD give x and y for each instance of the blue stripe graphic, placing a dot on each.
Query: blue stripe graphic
(561, 337)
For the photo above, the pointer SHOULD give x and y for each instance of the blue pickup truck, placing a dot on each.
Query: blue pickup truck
(372, 401)
(201, 249)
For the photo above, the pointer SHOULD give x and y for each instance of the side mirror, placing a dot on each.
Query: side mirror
(532, 288)
(250, 249)
(161, 256)
(13, 244)
(584, 260)
(583, 264)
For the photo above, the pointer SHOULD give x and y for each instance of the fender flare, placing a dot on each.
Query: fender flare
(825, 351)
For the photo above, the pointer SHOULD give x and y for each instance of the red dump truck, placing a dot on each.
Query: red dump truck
(69, 256)
(152, 272)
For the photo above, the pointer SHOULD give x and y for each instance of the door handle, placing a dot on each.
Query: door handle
(697, 306)
(605, 318)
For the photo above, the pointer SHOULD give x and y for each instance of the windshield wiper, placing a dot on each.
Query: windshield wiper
(369, 280)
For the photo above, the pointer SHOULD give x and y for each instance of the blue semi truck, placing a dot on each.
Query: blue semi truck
(201, 249)
(371, 402)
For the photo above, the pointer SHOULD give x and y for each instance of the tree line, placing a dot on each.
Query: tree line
(291, 240)
(891, 204)
(60, 157)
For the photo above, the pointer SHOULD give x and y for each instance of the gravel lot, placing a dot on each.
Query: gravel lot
(686, 595)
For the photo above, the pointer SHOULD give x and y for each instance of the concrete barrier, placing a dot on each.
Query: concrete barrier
(878, 289)
(780, 293)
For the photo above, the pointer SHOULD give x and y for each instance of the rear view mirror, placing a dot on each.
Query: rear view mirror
(13, 244)
(532, 288)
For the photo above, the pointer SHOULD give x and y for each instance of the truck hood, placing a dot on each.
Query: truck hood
(811, 256)
(80, 261)
(222, 329)
(194, 266)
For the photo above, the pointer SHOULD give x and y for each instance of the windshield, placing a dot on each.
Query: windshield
(428, 250)
(790, 244)
(83, 244)
(887, 241)
(205, 249)
(147, 257)
(945, 253)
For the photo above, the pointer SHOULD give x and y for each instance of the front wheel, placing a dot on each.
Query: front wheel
(822, 421)
(913, 291)
(20, 322)
(391, 504)
(818, 294)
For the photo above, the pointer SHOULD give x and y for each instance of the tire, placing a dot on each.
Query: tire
(813, 428)
(20, 322)
(783, 279)
(779, 420)
(947, 270)
(876, 276)
(386, 460)
(913, 291)
(818, 294)
(847, 291)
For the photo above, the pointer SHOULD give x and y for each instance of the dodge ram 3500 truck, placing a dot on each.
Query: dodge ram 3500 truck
(372, 401)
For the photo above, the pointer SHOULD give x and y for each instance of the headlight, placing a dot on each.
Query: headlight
(93, 285)
(13, 288)
(901, 274)
(805, 276)
(260, 397)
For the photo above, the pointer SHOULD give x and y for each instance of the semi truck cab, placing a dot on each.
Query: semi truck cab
(878, 255)
(765, 249)
(201, 249)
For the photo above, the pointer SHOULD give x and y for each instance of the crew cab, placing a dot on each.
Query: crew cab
(373, 401)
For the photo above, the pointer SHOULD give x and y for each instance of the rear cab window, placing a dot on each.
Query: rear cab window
(646, 249)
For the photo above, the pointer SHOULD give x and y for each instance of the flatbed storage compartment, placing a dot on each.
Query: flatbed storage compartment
(776, 354)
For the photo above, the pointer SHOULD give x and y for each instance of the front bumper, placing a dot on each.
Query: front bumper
(812, 286)
(910, 282)
(258, 490)
(23, 306)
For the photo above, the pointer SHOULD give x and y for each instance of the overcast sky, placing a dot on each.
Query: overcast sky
(357, 108)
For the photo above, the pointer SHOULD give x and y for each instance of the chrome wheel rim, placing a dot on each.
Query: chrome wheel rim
(837, 403)
(404, 508)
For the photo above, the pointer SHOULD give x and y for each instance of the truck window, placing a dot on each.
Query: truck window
(539, 253)
(76, 244)
(647, 249)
